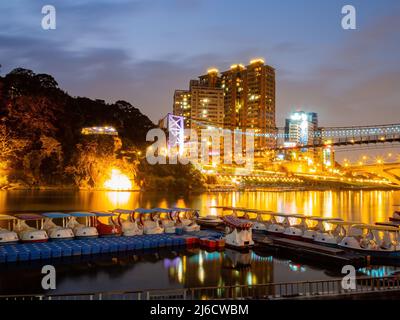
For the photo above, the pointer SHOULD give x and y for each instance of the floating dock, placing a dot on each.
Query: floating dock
(322, 254)
(69, 248)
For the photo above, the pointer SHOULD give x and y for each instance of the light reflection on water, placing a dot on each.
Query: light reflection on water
(365, 206)
(190, 268)
(167, 269)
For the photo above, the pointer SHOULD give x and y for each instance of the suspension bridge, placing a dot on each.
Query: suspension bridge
(334, 136)
(344, 138)
(349, 136)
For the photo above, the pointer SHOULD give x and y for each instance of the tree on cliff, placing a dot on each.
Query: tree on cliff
(41, 140)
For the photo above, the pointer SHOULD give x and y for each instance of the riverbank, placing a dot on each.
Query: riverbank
(218, 188)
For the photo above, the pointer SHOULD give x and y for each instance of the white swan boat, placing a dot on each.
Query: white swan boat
(169, 219)
(150, 221)
(282, 224)
(28, 233)
(186, 218)
(6, 235)
(238, 233)
(338, 229)
(86, 229)
(129, 224)
(54, 231)
(259, 224)
(317, 227)
(375, 240)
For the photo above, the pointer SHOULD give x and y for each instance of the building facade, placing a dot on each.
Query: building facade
(182, 105)
(301, 128)
(248, 100)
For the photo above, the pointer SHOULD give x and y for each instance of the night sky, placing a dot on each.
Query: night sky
(141, 51)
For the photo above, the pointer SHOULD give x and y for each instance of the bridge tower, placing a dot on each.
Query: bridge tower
(176, 136)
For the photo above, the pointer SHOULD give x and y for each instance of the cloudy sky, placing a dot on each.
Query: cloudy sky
(141, 51)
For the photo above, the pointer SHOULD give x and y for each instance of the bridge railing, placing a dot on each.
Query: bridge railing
(288, 290)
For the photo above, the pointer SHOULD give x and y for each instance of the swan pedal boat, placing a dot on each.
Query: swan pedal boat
(238, 233)
(298, 230)
(169, 219)
(54, 231)
(109, 229)
(337, 231)
(27, 233)
(375, 240)
(82, 230)
(129, 225)
(6, 235)
(149, 221)
(186, 219)
(259, 225)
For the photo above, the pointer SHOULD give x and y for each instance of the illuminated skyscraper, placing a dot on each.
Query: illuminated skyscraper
(250, 100)
(202, 103)
(301, 128)
(242, 97)
(182, 105)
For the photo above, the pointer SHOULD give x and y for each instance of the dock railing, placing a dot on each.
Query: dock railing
(269, 291)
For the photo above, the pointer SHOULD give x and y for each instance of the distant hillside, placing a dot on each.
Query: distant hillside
(40, 127)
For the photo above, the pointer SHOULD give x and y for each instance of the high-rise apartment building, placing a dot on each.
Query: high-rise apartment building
(207, 105)
(250, 100)
(182, 105)
(202, 103)
(242, 97)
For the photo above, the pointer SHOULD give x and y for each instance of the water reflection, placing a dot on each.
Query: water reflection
(365, 206)
(167, 269)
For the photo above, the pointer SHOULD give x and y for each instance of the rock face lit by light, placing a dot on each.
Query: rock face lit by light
(118, 181)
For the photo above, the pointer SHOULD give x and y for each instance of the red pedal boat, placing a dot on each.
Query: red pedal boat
(107, 229)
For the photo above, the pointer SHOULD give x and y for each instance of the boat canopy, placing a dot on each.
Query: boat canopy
(7, 217)
(104, 214)
(236, 222)
(287, 215)
(282, 214)
(55, 215)
(144, 211)
(29, 216)
(228, 208)
(325, 219)
(82, 214)
(258, 211)
(390, 224)
(376, 227)
(165, 210)
(183, 209)
(343, 223)
(123, 211)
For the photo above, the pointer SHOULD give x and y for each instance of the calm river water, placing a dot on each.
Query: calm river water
(186, 268)
(364, 206)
